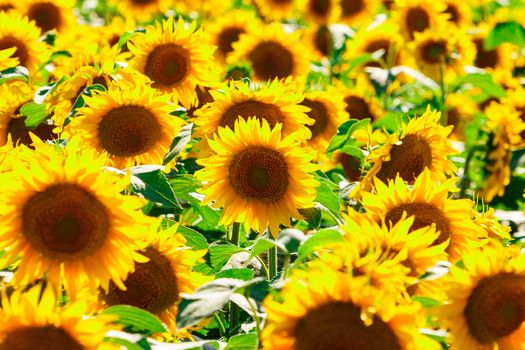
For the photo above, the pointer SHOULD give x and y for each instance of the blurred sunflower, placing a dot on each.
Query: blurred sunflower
(516, 99)
(320, 40)
(7, 5)
(320, 12)
(357, 12)
(275, 10)
(459, 13)
(460, 111)
(226, 30)
(259, 177)
(141, 10)
(415, 16)
(156, 285)
(421, 143)
(49, 15)
(174, 58)
(490, 223)
(486, 300)
(34, 320)
(132, 123)
(272, 53)
(63, 216)
(18, 32)
(7, 60)
(506, 126)
(275, 102)
(111, 33)
(330, 310)
(361, 101)
(12, 123)
(430, 204)
(328, 111)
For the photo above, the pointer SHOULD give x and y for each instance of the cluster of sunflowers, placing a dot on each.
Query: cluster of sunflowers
(277, 174)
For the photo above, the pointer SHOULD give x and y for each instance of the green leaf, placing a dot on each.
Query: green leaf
(248, 341)
(326, 196)
(220, 254)
(154, 186)
(484, 82)
(506, 32)
(209, 215)
(360, 60)
(312, 216)
(262, 244)
(135, 320)
(240, 274)
(35, 113)
(207, 299)
(15, 73)
(122, 342)
(321, 238)
(61, 53)
(194, 239)
(179, 143)
(183, 185)
(426, 301)
(345, 132)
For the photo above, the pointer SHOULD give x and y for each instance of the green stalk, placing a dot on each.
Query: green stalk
(234, 309)
(444, 116)
(272, 262)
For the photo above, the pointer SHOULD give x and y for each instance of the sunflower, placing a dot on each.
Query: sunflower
(357, 12)
(141, 10)
(63, 216)
(430, 204)
(505, 124)
(19, 32)
(320, 41)
(360, 100)
(7, 5)
(49, 14)
(275, 102)
(6, 59)
(460, 111)
(486, 300)
(490, 223)
(371, 39)
(129, 121)
(275, 10)
(12, 123)
(459, 13)
(415, 16)
(156, 285)
(112, 32)
(272, 53)
(174, 58)
(259, 177)
(516, 99)
(320, 12)
(331, 310)
(328, 110)
(34, 320)
(421, 143)
(226, 30)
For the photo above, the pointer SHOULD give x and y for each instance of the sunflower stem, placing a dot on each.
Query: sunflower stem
(272, 262)
(444, 116)
(234, 309)
(235, 236)
(255, 316)
(465, 179)
(222, 329)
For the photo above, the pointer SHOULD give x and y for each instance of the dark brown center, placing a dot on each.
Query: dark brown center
(271, 60)
(357, 107)
(152, 287)
(496, 307)
(46, 16)
(320, 8)
(203, 97)
(351, 8)
(226, 39)
(417, 20)
(40, 338)
(143, 2)
(409, 159)
(6, 7)
(351, 166)
(324, 41)
(252, 108)
(338, 326)
(65, 222)
(452, 10)
(376, 45)
(21, 52)
(259, 173)
(167, 64)
(485, 58)
(425, 214)
(319, 113)
(128, 131)
(434, 52)
(20, 132)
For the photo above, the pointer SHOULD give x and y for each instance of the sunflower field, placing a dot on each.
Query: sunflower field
(262, 174)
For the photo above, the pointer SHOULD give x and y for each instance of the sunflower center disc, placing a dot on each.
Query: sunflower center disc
(41, 338)
(417, 20)
(143, 2)
(226, 39)
(351, 7)
(485, 58)
(323, 40)
(271, 60)
(21, 53)
(453, 12)
(251, 108)
(20, 132)
(319, 114)
(320, 7)
(496, 307)
(65, 222)
(376, 45)
(338, 326)
(425, 215)
(46, 16)
(129, 131)
(433, 52)
(259, 173)
(409, 159)
(357, 107)
(152, 287)
(351, 166)
(167, 64)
